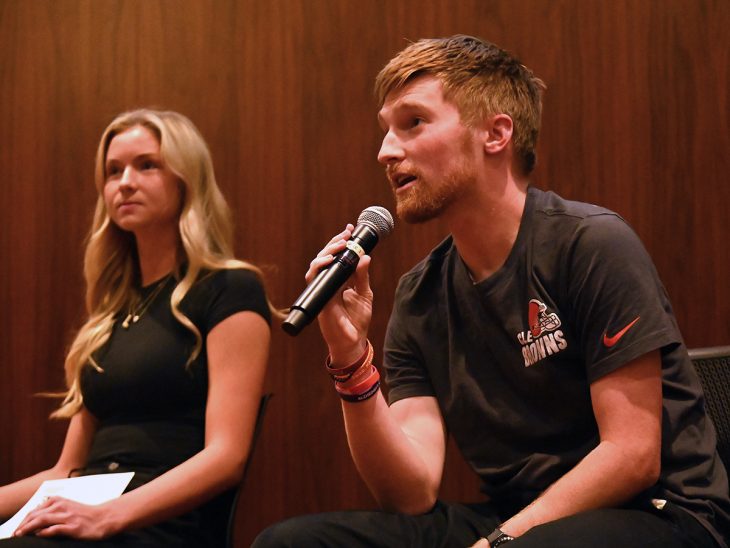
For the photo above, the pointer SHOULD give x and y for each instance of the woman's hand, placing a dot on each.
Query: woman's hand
(344, 321)
(59, 516)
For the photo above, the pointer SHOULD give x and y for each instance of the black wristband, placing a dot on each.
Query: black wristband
(498, 537)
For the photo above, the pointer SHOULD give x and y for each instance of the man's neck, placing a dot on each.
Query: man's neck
(485, 229)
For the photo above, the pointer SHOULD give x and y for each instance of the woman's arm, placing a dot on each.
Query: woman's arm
(237, 354)
(73, 455)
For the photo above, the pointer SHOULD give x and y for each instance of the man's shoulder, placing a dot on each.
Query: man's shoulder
(572, 222)
(551, 204)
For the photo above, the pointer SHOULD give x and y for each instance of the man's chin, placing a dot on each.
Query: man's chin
(416, 214)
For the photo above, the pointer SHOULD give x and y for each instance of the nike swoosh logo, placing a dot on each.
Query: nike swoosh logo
(610, 341)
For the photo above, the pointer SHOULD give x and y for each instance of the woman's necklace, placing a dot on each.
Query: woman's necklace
(137, 309)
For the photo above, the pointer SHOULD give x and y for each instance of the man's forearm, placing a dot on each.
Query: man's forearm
(607, 477)
(402, 474)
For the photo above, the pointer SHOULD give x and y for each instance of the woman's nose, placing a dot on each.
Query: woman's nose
(128, 178)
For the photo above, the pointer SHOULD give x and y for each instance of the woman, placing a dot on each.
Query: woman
(166, 374)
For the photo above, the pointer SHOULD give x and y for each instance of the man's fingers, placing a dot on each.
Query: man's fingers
(362, 276)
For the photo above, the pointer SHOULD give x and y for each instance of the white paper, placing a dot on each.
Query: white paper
(92, 490)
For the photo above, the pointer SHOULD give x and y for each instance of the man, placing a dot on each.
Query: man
(538, 335)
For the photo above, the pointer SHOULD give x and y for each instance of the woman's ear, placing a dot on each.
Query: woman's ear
(498, 133)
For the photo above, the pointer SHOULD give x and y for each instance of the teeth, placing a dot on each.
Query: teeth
(400, 179)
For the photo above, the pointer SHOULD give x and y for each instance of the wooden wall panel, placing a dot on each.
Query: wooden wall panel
(636, 119)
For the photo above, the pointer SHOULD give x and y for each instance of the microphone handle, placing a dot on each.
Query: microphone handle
(328, 281)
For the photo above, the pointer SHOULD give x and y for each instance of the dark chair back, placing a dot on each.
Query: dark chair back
(220, 513)
(713, 367)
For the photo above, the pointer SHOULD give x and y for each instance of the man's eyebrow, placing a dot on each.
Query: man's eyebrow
(402, 104)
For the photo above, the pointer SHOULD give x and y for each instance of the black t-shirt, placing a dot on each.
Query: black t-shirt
(152, 353)
(511, 358)
(150, 405)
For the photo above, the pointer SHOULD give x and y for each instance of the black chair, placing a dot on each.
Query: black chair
(220, 513)
(713, 367)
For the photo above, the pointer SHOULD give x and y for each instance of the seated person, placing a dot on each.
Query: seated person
(165, 377)
(537, 334)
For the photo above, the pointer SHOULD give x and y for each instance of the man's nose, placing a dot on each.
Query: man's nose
(391, 149)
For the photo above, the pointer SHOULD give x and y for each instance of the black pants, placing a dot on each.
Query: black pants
(121, 541)
(63, 542)
(460, 525)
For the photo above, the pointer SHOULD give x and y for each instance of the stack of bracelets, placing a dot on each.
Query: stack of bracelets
(358, 381)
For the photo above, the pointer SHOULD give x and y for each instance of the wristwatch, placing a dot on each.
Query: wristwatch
(498, 537)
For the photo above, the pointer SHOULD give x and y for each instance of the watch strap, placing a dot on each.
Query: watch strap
(497, 537)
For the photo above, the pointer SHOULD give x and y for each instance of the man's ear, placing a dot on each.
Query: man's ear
(498, 133)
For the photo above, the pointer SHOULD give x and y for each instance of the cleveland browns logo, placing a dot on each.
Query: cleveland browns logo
(540, 320)
(544, 337)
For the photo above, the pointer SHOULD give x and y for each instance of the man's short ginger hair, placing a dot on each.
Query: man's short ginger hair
(480, 79)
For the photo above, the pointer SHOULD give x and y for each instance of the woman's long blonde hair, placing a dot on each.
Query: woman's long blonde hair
(111, 269)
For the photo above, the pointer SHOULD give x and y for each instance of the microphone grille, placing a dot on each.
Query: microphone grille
(378, 218)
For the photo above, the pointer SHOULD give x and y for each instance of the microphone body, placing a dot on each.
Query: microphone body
(374, 222)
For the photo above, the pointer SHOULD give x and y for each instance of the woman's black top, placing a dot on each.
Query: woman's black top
(150, 405)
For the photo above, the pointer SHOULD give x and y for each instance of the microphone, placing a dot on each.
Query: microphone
(374, 223)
